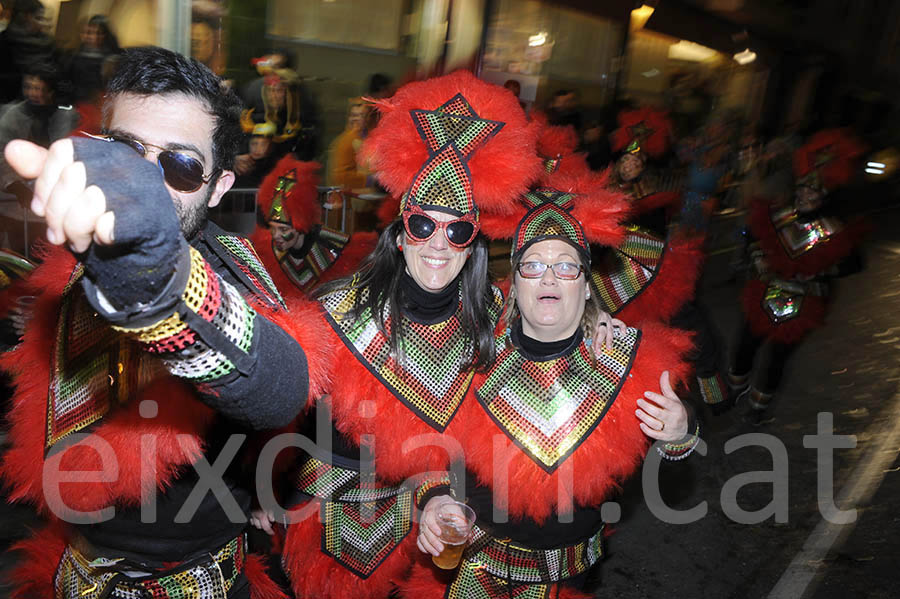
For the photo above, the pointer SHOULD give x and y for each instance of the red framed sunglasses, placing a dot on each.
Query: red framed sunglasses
(460, 232)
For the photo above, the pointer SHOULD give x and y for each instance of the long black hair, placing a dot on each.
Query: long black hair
(382, 271)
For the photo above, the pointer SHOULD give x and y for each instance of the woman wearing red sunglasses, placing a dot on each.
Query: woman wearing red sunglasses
(409, 329)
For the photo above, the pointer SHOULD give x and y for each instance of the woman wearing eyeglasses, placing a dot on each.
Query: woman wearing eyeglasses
(554, 430)
(410, 328)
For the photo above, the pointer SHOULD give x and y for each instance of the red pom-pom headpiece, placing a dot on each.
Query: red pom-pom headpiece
(643, 130)
(556, 145)
(288, 194)
(453, 143)
(828, 160)
(598, 210)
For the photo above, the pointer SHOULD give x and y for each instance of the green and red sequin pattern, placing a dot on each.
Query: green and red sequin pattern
(306, 272)
(548, 217)
(93, 368)
(362, 523)
(798, 237)
(491, 566)
(549, 408)
(452, 133)
(208, 299)
(211, 579)
(250, 264)
(430, 377)
(623, 273)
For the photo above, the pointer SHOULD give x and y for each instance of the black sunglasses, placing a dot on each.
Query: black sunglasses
(182, 172)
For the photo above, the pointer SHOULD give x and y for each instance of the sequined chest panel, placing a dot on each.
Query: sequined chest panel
(306, 272)
(550, 408)
(798, 237)
(93, 368)
(429, 377)
(624, 272)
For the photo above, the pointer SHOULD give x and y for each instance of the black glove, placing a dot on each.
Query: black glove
(148, 244)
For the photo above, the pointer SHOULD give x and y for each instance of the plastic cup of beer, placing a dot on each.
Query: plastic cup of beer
(456, 521)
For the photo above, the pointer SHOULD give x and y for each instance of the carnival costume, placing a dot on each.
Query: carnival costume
(552, 434)
(130, 375)
(794, 257)
(647, 134)
(441, 144)
(288, 196)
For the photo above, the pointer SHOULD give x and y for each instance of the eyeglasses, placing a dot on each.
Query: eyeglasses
(420, 227)
(181, 172)
(567, 271)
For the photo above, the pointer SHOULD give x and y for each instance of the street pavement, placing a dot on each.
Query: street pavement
(849, 370)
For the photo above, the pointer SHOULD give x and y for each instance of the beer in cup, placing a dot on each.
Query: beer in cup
(456, 521)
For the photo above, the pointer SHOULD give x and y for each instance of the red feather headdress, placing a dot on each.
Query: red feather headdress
(288, 194)
(645, 130)
(453, 142)
(599, 211)
(556, 146)
(829, 159)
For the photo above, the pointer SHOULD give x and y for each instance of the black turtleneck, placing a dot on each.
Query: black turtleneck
(538, 351)
(427, 307)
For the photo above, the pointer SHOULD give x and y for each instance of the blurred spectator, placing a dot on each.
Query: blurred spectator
(564, 110)
(252, 92)
(24, 42)
(84, 67)
(37, 118)
(516, 88)
(596, 144)
(689, 104)
(380, 86)
(342, 167)
(279, 97)
(260, 158)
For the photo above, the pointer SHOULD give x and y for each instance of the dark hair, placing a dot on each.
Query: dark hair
(110, 41)
(378, 82)
(288, 57)
(25, 8)
(152, 71)
(381, 273)
(45, 71)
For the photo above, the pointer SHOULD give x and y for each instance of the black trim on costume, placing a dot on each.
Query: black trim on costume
(552, 467)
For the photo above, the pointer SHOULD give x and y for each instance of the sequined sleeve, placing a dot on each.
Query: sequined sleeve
(203, 331)
(210, 333)
(432, 487)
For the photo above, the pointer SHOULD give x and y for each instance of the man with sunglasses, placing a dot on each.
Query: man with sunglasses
(162, 342)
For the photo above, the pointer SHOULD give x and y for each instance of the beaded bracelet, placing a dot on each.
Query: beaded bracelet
(679, 451)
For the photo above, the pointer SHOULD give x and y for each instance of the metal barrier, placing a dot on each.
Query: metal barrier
(236, 211)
